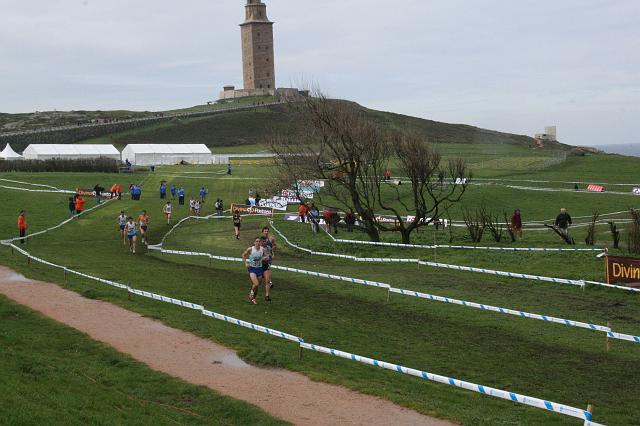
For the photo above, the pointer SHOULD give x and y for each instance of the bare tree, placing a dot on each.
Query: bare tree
(350, 153)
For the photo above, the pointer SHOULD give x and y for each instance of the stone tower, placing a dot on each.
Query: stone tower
(257, 48)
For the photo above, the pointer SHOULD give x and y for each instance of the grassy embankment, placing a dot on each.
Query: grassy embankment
(559, 363)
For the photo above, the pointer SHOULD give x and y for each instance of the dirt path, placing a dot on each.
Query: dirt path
(283, 394)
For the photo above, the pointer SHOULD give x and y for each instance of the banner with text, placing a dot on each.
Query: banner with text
(623, 270)
(243, 209)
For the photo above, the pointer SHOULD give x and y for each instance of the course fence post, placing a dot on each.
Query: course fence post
(608, 338)
(590, 410)
(388, 294)
(65, 275)
(300, 349)
(128, 295)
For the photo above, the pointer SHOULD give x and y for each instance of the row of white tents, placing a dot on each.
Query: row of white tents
(136, 154)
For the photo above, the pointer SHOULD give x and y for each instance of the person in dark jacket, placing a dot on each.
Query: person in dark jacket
(350, 220)
(563, 221)
(516, 224)
(72, 206)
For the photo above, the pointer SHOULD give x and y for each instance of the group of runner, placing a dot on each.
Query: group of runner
(129, 229)
(257, 259)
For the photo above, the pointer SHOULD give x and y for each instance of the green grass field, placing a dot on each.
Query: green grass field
(52, 374)
(558, 363)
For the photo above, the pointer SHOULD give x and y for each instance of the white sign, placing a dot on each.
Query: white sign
(290, 193)
(444, 222)
(636, 191)
(311, 183)
(461, 181)
(272, 203)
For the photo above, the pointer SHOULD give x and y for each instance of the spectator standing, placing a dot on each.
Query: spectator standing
(387, 175)
(98, 191)
(203, 194)
(114, 191)
(163, 190)
(119, 189)
(72, 206)
(516, 224)
(79, 204)
(181, 196)
(229, 168)
(563, 221)
(22, 226)
(219, 207)
(302, 212)
(350, 220)
(326, 216)
(173, 191)
(315, 218)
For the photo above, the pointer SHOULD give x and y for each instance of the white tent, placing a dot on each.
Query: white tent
(70, 152)
(154, 154)
(9, 154)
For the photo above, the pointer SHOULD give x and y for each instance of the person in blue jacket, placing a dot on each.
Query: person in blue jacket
(203, 194)
(163, 190)
(173, 191)
(181, 196)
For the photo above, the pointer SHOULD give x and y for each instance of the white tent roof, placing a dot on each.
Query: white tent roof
(68, 149)
(168, 148)
(8, 153)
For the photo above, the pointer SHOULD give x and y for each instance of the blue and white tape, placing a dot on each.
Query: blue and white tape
(580, 283)
(534, 402)
(485, 390)
(496, 309)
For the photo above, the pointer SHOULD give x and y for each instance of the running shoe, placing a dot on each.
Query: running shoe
(270, 284)
(267, 299)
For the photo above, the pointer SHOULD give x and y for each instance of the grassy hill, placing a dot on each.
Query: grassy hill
(248, 128)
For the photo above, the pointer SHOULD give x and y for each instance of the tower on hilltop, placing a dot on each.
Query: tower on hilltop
(257, 48)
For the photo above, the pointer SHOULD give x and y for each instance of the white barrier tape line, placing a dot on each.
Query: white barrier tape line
(466, 385)
(521, 314)
(580, 283)
(486, 390)
(50, 191)
(32, 184)
(447, 246)
(506, 311)
(333, 277)
(622, 336)
(252, 326)
(166, 299)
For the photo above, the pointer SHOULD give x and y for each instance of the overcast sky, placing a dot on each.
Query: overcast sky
(499, 64)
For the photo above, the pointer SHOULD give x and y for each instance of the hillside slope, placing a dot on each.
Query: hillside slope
(250, 128)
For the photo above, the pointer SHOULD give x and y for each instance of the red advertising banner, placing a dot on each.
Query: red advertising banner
(623, 270)
(243, 209)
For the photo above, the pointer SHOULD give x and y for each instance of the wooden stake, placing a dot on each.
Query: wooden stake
(128, 295)
(388, 296)
(300, 353)
(608, 338)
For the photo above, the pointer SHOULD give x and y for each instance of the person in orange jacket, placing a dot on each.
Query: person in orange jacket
(79, 204)
(114, 191)
(119, 189)
(302, 212)
(22, 226)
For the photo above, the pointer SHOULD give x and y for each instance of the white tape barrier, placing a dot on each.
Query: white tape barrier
(580, 283)
(50, 191)
(61, 224)
(522, 399)
(32, 184)
(388, 287)
(159, 297)
(485, 390)
(447, 246)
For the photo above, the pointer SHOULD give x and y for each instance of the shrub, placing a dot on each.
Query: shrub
(99, 165)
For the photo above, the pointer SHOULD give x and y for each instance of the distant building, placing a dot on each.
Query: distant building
(549, 135)
(258, 60)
